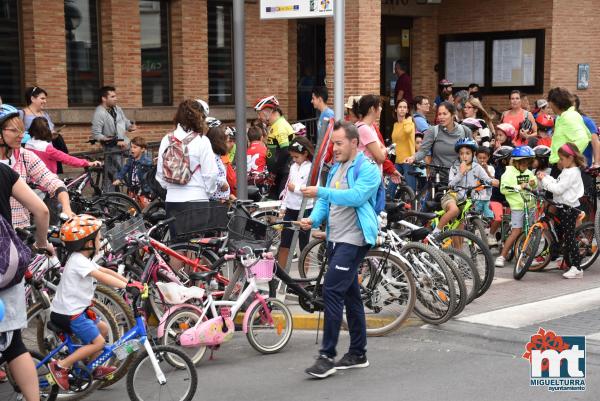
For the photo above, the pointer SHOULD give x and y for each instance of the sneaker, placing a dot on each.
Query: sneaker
(492, 241)
(351, 361)
(573, 273)
(499, 261)
(60, 375)
(102, 371)
(322, 368)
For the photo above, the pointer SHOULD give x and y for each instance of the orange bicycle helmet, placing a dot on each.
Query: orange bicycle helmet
(78, 230)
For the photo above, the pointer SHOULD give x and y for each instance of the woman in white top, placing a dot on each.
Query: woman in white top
(190, 121)
(301, 152)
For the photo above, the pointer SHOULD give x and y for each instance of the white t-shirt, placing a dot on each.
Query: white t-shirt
(299, 175)
(76, 288)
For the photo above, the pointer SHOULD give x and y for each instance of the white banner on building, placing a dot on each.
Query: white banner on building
(278, 9)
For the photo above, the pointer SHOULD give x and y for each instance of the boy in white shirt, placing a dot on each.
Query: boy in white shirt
(81, 236)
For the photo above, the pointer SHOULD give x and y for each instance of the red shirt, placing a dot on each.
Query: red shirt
(256, 158)
(230, 175)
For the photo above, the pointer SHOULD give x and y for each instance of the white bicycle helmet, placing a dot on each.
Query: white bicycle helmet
(269, 102)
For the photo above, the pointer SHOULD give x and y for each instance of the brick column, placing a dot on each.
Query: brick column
(362, 59)
(121, 50)
(44, 48)
(424, 57)
(189, 49)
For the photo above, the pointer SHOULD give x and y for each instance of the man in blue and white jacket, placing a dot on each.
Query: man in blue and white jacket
(346, 202)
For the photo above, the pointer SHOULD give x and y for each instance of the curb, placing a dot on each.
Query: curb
(307, 321)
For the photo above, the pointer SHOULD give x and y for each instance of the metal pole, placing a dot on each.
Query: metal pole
(338, 57)
(239, 79)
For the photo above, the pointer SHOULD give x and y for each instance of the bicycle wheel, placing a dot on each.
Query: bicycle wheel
(543, 255)
(269, 217)
(48, 392)
(435, 289)
(477, 227)
(588, 245)
(479, 251)
(528, 252)
(405, 194)
(116, 206)
(312, 258)
(270, 326)
(37, 316)
(388, 301)
(468, 270)
(195, 252)
(176, 324)
(458, 281)
(181, 384)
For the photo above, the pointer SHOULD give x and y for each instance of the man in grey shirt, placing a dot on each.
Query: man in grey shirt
(110, 127)
(347, 203)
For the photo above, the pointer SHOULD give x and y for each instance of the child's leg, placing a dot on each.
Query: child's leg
(568, 220)
(451, 210)
(23, 371)
(516, 223)
(286, 238)
(89, 333)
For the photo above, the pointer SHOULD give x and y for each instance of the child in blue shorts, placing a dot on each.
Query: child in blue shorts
(70, 306)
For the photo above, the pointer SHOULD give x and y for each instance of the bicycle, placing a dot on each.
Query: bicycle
(190, 327)
(158, 360)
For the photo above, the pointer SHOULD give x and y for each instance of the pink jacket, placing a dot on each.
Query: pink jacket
(50, 155)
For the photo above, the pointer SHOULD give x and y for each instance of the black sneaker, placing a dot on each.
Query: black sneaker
(352, 361)
(322, 368)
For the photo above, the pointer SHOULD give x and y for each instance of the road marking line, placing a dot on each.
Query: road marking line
(540, 311)
(593, 336)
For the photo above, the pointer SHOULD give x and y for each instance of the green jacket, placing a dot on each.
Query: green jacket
(510, 180)
(569, 127)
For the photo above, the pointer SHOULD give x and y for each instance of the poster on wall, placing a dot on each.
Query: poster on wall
(465, 62)
(513, 62)
(280, 9)
(583, 76)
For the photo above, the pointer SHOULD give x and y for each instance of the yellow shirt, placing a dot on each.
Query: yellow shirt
(403, 136)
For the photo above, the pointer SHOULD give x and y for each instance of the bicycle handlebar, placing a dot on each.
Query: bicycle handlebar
(431, 166)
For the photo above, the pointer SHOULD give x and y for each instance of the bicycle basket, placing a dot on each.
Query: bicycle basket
(263, 270)
(247, 232)
(201, 218)
(116, 236)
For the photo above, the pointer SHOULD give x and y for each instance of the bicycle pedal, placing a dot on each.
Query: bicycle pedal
(109, 377)
(50, 379)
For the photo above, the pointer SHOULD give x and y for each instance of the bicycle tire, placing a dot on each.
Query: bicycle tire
(405, 194)
(528, 252)
(160, 351)
(468, 272)
(400, 277)
(587, 247)
(436, 296)
(270, 216)
(283, 317)
(477, 227)
(171, 336)
(544, 251)
(48, 391)
(113, 204)
(309, 264)
(597, 225)
(480, 254)
(459, 282)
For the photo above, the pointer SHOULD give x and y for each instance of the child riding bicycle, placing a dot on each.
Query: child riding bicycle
(70, 306)
(516, 177)
(463, 173)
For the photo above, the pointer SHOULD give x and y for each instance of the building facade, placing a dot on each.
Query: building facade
(159, 52)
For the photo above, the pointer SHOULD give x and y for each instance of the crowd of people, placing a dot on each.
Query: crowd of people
(546, 147)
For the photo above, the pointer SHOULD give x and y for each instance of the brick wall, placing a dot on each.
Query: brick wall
(121, 51)
(575, 40)
(189, 49)
(362, 59)
(44, 48)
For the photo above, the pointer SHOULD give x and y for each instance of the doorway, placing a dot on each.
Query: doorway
(311, 63)
(395, 45)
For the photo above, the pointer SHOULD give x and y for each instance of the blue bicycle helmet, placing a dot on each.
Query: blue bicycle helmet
(465, 143)
(522, 152)
(7, 111)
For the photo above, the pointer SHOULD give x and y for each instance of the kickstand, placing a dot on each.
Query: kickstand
(318, 328)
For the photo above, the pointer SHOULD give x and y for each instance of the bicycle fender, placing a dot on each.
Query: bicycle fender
(258, 300)
(171, 310)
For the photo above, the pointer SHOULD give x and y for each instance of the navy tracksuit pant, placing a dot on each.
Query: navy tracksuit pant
(341, 289)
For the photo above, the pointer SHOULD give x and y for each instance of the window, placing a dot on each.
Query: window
(220, 52)
(10, 62)
(156, 69)
(83, 70)
(497, 61)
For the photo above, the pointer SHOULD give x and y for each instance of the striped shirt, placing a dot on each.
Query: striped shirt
(33, 170)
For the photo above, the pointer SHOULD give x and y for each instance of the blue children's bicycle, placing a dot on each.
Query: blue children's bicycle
(158, 373)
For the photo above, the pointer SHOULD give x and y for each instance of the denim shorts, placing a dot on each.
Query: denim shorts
(85, 328)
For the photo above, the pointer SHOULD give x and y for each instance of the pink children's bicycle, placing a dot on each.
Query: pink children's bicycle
(267, 322)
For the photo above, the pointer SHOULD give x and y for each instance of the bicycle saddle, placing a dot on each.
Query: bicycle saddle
(203, 276)
(176, 294)
(433, 205)
(54, 327)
